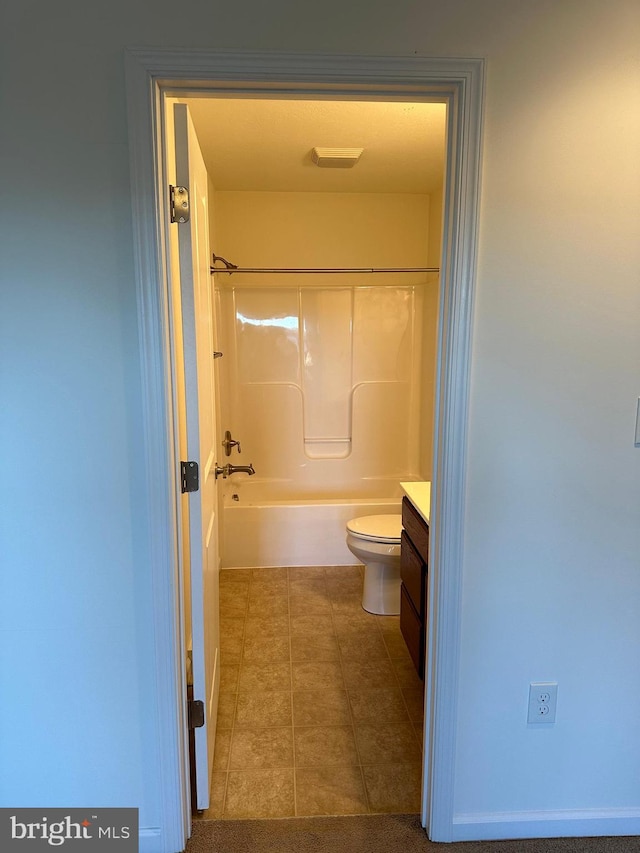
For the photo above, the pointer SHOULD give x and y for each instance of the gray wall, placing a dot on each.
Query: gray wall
(551, 574)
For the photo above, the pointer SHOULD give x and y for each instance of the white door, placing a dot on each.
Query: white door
(198, 344)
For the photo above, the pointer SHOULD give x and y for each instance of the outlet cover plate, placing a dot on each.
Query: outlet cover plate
(543, 698)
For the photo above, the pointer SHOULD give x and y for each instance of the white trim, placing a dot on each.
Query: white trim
(446, 522)
(460, 83)
(149, 839)
(584, 823)
(158, 469)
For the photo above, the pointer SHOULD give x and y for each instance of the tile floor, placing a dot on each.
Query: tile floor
(320, 706)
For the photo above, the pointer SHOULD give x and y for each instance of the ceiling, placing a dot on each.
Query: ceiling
(264, 144)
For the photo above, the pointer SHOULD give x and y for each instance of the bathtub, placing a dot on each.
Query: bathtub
(264, 525)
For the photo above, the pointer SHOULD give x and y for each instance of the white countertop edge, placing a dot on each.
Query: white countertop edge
(419, 493)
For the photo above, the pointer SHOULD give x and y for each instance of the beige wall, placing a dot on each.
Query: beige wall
(323, 229)
(431, 297)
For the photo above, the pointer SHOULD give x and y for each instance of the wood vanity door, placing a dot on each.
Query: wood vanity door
(417, 529)
(412, 573)
(414, 556)
(412, 629)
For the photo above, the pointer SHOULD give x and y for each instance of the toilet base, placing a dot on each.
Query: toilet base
(381, 590)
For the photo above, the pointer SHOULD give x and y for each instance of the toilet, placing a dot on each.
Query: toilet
(375, 541)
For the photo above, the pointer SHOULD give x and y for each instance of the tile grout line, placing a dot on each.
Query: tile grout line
(237, 694)
(226, 770)
(400, 688)
(293, 730)
(380, 627)
(252, 692)
(353, 724)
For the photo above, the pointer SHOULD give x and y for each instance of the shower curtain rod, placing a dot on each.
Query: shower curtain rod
(323, 269)
(231, 268)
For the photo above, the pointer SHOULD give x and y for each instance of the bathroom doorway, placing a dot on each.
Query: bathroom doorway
(326, 382)
(153, 74)
(328, 377)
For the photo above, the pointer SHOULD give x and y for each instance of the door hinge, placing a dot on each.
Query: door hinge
(179, 204)
(195, 713)
(189, 477)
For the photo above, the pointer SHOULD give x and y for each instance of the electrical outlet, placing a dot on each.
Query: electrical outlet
(543, 697)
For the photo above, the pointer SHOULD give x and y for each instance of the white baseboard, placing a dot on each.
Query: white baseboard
(150, 838)
(493, 826)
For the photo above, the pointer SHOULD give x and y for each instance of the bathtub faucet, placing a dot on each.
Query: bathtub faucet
(228, 470)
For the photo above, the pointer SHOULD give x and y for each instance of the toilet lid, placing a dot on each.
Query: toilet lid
(379, 528)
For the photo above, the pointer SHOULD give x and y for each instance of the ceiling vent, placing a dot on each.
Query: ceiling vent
(336, 158)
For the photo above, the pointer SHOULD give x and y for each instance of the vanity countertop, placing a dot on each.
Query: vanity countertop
(419, 493)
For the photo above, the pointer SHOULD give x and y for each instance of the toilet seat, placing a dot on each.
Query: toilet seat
(377, 528)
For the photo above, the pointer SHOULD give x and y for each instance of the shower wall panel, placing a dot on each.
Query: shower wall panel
(327, 369)
(323, 383)
(267, 335)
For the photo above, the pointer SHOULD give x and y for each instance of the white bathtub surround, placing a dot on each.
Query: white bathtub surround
(322, 383)
(327, 381)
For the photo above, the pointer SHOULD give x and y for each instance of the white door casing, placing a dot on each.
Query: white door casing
(198, 347)
(151, 76)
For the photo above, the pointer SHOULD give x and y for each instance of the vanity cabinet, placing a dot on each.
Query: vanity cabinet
(414, 559)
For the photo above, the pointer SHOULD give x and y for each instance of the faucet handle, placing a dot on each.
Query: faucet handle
(229, 443)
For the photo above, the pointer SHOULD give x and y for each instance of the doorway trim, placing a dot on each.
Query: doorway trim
(150, 74)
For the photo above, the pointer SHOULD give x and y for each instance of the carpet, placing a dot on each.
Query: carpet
(370, 834)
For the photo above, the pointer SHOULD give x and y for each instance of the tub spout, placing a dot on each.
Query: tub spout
(229, 469)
